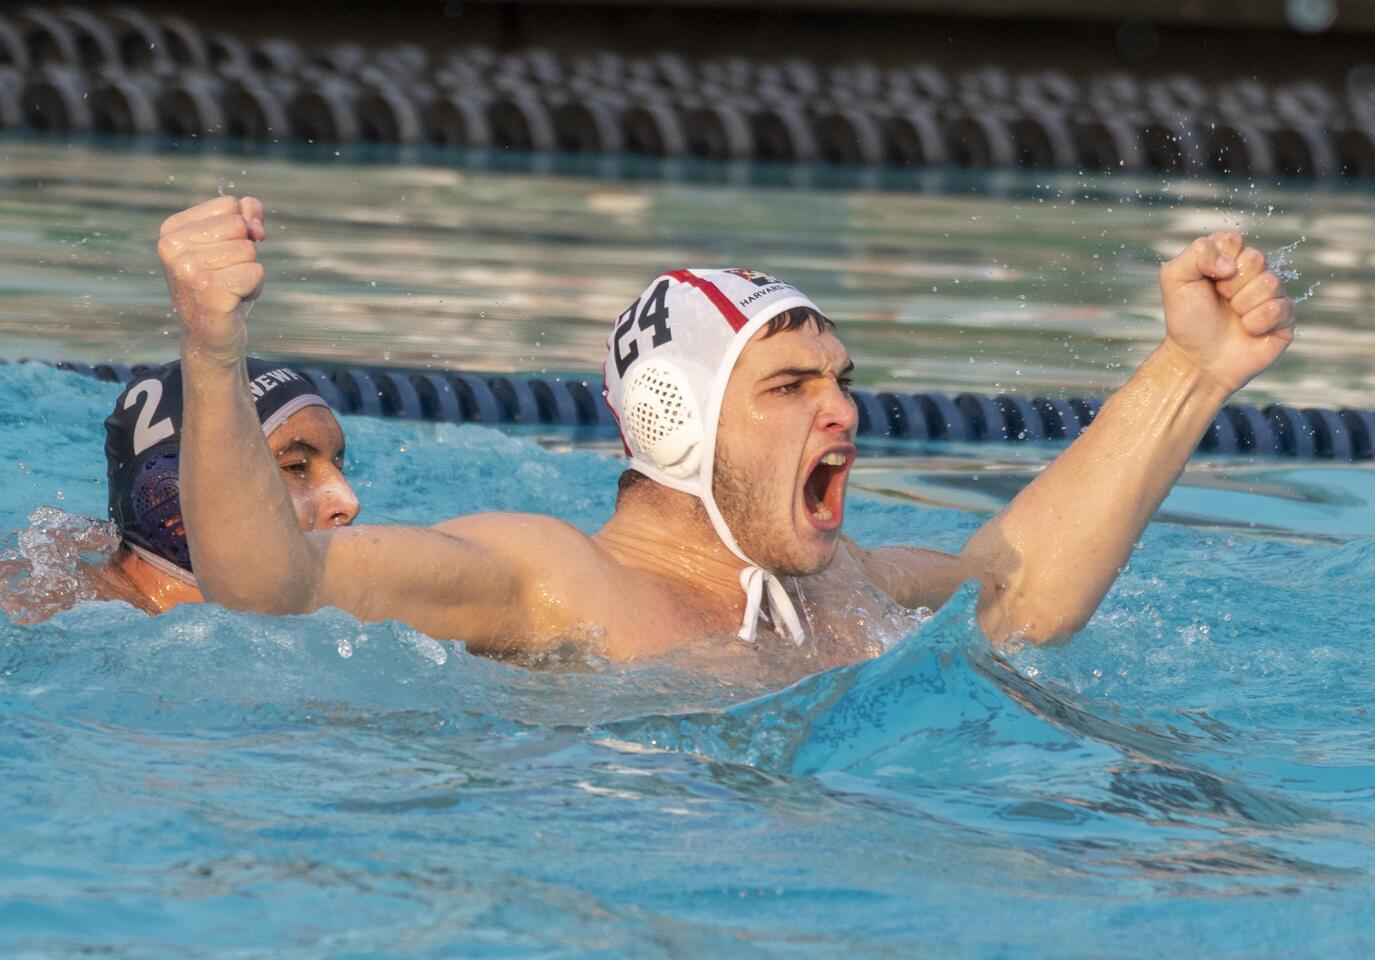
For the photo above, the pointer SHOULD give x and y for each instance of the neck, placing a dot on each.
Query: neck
(156, 592)
(667, 533)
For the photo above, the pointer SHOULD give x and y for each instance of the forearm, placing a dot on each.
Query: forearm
(1049, 557)
(247, 548)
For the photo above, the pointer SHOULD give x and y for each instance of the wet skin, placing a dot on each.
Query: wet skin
(656, 578)
(787, 405)
(309, 451)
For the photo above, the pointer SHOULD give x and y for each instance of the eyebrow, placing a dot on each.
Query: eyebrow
(303, 446)
(845, 371)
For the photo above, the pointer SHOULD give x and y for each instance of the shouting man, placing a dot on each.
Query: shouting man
(732, 391)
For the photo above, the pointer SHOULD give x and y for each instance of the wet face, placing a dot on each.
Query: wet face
(784, 448)
(309, 448)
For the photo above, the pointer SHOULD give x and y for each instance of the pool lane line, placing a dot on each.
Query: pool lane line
(575, 402)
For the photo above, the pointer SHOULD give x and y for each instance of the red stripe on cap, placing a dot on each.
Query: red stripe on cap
(719, 300)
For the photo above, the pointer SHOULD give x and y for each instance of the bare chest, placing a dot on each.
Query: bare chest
(626, 615)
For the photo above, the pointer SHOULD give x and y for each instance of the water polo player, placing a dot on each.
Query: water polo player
(152, 568)
(731, 390)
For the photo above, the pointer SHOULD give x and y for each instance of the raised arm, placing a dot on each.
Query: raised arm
(1050, 555)
(246, 546)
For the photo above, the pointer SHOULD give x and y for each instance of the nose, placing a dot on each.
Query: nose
(838, 412)
(337, 503)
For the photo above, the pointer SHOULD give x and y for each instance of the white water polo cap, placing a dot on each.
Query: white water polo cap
(668, 360)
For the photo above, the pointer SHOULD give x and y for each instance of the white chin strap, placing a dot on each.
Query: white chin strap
(764, 592)
(163, 565)
(667, 389)
(755, 581)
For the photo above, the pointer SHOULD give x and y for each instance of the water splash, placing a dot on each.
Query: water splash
(1281, 263)
(45, 571)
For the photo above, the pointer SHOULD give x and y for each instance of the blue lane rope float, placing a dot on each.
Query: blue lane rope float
(1277, 430)
(121, 72)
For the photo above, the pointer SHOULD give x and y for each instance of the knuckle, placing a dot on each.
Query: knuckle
(231, 226)
(232, 252)
(185, 264)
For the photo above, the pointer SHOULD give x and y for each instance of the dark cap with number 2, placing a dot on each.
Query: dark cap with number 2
(143, 443)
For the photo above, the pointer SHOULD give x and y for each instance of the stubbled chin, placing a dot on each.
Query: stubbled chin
(830, 543)
(814, 559)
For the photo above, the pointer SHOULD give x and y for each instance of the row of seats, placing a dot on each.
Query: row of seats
(125, 39)
(125, 73)
(1273, 431)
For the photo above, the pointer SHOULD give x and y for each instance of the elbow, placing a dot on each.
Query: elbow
(1008, 619)
(273, 602)
(263, 584)
(1011, 611)
(1034, 632)
(1023, 603)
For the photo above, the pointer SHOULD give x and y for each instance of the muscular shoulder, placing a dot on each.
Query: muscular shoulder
(563, 573)
(533, 540)
(496, 528)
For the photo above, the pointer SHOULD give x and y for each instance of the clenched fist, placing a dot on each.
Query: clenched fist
(1225, 309)
(209, 254)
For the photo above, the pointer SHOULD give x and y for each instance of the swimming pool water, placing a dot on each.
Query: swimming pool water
(1193, 775)
(1032, 282)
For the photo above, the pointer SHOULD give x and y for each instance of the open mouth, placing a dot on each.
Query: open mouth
(823, 494)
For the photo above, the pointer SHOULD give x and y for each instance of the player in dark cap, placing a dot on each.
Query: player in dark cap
(152, 567)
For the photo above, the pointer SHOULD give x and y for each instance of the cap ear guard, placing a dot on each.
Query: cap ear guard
(661, 418)
(156, 501)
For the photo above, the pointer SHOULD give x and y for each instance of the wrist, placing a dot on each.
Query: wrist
(1177, 363)
(210, 357)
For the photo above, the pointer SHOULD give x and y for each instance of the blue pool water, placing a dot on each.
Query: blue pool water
(1194, 775)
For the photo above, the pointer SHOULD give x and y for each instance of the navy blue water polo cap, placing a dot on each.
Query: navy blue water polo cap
(143, 446)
